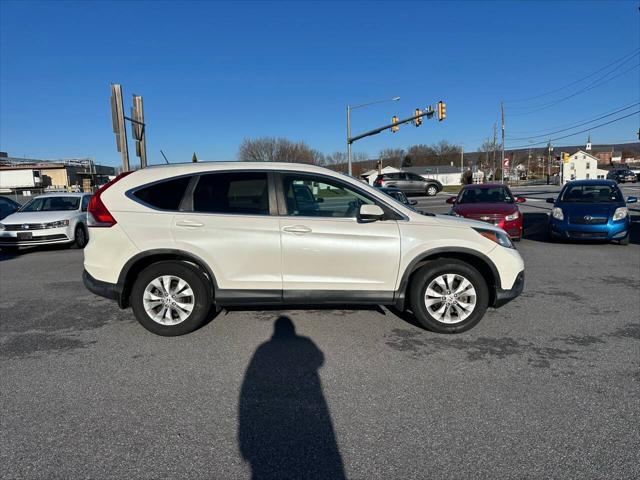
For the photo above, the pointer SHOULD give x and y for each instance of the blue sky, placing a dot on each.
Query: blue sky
(214, 73)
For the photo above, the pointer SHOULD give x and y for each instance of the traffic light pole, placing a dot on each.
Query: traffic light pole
(428, 113)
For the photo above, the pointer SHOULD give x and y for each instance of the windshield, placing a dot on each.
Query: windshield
(591, 194)
(485, 195)
(52, 204)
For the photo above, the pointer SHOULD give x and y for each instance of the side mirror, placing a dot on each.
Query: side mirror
(413, 202)
(451, 200)
(520, 199)
(632, 199)
(319, 199)
(551, 200)
(370, 213)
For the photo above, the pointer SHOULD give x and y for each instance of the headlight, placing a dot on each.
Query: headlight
(620, 213)
(557, 213)
(513, 216)
(58, 224)
(501, 238)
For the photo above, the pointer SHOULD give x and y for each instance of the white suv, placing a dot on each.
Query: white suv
(173, 241)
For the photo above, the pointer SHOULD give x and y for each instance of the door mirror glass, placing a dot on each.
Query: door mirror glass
(551, 200)
(520, 199)
(451, 200)
(413, 202)
(370, 213)
(632, 199)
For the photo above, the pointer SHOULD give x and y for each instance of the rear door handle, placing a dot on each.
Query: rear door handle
(297, 229)
(189, 223)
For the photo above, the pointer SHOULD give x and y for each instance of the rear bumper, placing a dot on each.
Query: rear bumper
(98, 287)
(505, 296)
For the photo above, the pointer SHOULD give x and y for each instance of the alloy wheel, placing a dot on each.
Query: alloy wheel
(450, 298)
(168, 300)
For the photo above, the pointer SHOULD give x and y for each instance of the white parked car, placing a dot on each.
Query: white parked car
(172, 241)
(47, 219)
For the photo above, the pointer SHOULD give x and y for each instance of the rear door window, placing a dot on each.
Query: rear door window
(165, 195)
(241, 193)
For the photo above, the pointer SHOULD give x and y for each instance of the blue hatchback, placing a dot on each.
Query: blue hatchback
(590, 210)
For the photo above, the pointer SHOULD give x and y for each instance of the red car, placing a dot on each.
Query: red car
(491, 203)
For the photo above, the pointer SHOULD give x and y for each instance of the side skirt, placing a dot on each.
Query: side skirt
(228, 298)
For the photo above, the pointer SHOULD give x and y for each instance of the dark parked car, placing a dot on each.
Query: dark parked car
(409, 183)
(398, 195)
(590, 210)
(7, 207)
(622, 175)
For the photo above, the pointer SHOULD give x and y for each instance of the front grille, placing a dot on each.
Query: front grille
(41, 238)
(587, 234)
(486, 217)
(24, 226)
(587, 221)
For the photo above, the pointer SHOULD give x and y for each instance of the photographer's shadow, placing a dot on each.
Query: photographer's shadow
(285, 428)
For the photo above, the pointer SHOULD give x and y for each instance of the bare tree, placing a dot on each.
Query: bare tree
(391, 157)
(269, 149)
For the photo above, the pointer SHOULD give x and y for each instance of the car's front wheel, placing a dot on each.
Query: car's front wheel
(448, 296)
(171, 298)
(432, 190)
(81, 237)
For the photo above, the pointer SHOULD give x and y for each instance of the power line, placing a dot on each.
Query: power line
(576, 81)
(548, 134)
(576, 133)
(591, 86)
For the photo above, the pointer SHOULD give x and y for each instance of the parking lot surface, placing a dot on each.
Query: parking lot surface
(546, 386)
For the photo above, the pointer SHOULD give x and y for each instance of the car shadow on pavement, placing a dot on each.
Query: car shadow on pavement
(535, 226)
(285, 428)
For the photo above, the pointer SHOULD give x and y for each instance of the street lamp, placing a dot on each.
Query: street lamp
(349, 108)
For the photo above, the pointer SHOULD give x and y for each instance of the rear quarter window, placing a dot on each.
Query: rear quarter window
(164, 195)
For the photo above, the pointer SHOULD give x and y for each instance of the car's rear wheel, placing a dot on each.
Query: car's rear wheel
(432, 190)
(448, 296)
(171, 298)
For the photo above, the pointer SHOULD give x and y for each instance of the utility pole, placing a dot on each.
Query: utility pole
(348, 138)
(549, 150)
(461, 159)
(528, 161)
(495, 140)
(502, 112)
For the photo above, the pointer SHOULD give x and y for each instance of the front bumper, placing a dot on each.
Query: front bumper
(503, 297)
(98, 287)
(606, 232)
(24, 238)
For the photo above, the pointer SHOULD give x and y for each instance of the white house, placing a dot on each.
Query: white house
(581, 166)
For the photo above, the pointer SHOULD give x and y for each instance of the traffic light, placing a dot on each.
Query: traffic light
(395, 127)
(418, 121)
(442, 110)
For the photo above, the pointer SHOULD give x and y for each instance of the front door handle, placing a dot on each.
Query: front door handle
(189, 223)
(297, 229)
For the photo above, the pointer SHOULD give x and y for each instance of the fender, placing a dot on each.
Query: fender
(424, 257)
(124, 282)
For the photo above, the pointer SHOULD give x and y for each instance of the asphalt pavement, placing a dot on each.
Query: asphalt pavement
(545, 387)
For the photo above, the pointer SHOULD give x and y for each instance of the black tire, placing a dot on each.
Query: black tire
(201, 297)
(625, 240)
(432, 190)
(10, 250)
(80, 237)
(427, 274)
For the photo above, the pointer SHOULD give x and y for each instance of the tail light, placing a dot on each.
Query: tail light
(378, 182)
(97, 213)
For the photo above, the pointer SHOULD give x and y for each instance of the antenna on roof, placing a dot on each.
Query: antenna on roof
(165, 157)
